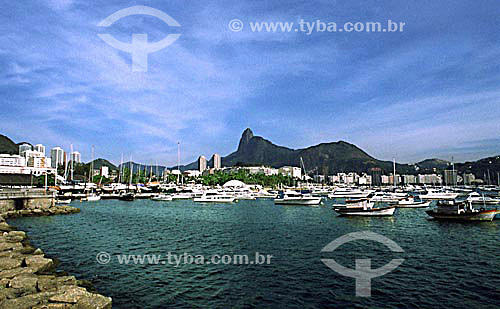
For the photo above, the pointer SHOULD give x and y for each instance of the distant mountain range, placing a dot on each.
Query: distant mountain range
(323, 158)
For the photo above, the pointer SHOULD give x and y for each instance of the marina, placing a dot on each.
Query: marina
(436, 254)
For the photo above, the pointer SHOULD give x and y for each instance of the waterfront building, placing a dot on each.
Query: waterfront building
(23, 148)
(376, 174)
(365, 180)
(12, 160)
(450, 177)
(216, 159)
(76, 157)
(40, 148)
(469, 179)
(202, 163)
(192, 173)
(104, 171)
(16, 164)
(57, 156)
(290, 171)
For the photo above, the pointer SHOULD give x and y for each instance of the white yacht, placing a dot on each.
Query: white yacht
(92, 198)
(296, 198)
(411, 202)
(162, 197)
(476, 198)
(439, 195)
(214, 196)
(350, 194)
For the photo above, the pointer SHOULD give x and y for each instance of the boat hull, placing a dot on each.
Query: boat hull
(414, 205)
(370, 212)
(485, 215)
(298, 202)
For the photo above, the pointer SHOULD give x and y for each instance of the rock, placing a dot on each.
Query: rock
(38, 251)
(9, 263)
(10, 246)
(4, 283)
(38, 263)
(38, 211)
(47, 282)
(66, 280)
(25, 283)
(27, 301)
(25, 212)
(11, 273)
(7, 294)
(68, 294)
(17, 234)
(91, 301)
(5, 227)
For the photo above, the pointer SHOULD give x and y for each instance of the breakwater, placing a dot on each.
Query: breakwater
(28, 279)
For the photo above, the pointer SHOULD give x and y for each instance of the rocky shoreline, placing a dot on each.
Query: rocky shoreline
(29, 280)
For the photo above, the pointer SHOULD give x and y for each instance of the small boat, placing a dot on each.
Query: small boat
(439, 195)
(296, 198)
(412, 203)
(213, 196)
(349, 194)
(476, 198)
(365, 208)
(162, 197)
(461, 211)
(92, 198)
(63, 201)
(127, 196)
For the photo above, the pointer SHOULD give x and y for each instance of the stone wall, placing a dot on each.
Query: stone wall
(28, 279)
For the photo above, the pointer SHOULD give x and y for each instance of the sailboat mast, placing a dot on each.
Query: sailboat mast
(131, 171)
(394, 169)
(121, 170)
(71, 154)
(178, 160)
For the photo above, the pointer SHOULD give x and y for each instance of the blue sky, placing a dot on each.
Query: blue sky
(430, 91)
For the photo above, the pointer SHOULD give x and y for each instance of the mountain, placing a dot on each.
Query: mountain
(487, 169)
(98, 163)
(7, 145)
(430, 164)
(323, 158)
(142, 167)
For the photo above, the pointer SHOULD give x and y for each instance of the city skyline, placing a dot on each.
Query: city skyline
(412, 95)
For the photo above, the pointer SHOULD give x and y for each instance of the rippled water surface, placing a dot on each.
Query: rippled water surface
(447, 264)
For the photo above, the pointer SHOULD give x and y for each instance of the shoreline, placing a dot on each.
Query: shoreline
(28, 279)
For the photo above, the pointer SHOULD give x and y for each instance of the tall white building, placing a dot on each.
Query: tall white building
(202, 164)
(216, 161)
(23, 148)
(57, 156)
(76, 157)
(12, 160)
(40, 148)
(291, 171)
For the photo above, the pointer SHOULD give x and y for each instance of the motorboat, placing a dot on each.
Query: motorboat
(162, 197)
(439, 195)
(61, 201)
(461, 211)
(127, 196)
(92, 198)
(349, 194)
(214, 196)
(411, 202)
(476, 198)
(296, 198)
(364, 208)
(387, 197)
